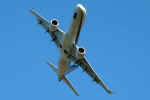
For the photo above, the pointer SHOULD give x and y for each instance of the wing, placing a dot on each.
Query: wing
(89, 70)
(57, 36)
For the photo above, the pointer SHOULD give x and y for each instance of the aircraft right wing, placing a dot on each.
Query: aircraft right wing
(57, 36)
(89, 70)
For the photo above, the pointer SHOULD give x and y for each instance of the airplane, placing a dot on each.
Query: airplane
(69, 50)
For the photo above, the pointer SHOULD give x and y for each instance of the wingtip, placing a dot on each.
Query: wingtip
(31, 10)
(110, 92)
(47, 62)
(77, 95)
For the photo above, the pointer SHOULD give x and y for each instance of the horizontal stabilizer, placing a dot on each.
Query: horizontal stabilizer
(52, 66)
(64, 78)
(70, 85)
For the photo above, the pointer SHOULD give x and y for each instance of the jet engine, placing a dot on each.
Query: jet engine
(54, 25)
(81, 52)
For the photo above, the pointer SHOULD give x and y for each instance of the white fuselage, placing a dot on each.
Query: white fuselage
(70, 39)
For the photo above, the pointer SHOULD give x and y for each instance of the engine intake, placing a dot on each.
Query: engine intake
(81, 50)
(81, 53)
(54, 25)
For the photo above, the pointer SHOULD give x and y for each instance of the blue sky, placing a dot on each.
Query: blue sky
(116, 36)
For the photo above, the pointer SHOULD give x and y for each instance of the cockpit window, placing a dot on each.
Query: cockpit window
(75, 15)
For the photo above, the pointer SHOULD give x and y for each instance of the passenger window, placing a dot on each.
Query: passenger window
(75, 15)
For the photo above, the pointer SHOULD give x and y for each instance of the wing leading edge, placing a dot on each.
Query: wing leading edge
(57, 36)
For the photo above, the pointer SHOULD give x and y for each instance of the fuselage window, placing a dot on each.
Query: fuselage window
(75, 15)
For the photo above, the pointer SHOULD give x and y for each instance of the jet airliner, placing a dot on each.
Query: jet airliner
(66, 42)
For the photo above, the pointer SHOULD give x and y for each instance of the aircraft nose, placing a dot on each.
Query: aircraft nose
(81, 8)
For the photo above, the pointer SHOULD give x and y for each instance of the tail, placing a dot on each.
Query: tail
(64, 78)
(70, 85)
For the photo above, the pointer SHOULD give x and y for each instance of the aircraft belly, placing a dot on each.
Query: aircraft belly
(63, 66)
(76, 24)
(74, 30)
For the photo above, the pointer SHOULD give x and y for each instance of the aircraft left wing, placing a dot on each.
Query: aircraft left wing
(44, 23)
(89, 70)
(57, 36)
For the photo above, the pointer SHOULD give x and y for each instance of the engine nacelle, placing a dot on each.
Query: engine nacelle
(81, 52)
(54, 25)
